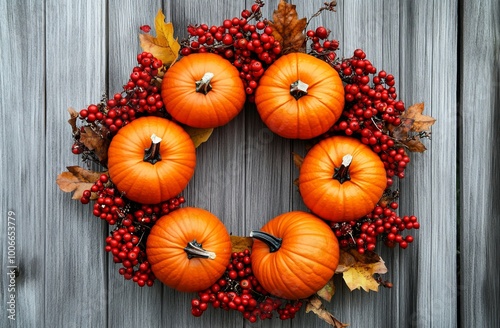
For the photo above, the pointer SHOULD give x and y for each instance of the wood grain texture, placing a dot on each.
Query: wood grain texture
(56, 54)
(479, 119)
(141, 306)
(23, 159)
(75, 75)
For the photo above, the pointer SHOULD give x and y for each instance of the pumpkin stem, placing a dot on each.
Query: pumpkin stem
(194, 249)
(203, 85)
(274, 243)
(152, 154)
(342, 172)
(298, 89)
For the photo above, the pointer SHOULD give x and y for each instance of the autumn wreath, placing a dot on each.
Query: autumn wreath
(145, 138)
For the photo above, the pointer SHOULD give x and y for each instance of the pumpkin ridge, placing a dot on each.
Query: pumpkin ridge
(301, 254)
(278, 262)
(306, 283)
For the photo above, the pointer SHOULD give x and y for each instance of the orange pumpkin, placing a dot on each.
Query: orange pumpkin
(294, 255)
(203, 90)
(151, 160)
(300, 96)
(341, 179)
(189, 249)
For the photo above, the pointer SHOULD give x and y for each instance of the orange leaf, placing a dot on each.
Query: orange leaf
(164, 46)
(77, 179)
(241, 243)
(297, 160)
(198, 135)
(288, 29)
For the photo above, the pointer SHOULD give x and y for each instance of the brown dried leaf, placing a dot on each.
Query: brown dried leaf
(421, 122)
(412, 120)
(77, 179)
(315, 305)
(327, 291)
(288, 29)
(198, 135)
(241, 243)
(96, 142)
(415, 145)
(297, 160)
(164, 46)
(72, 121)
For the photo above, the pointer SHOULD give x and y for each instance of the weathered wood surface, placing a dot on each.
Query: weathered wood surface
(57, 54)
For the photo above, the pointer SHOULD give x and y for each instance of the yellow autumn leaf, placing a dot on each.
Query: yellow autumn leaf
(198, 135)
(164, 46)
(358, 269)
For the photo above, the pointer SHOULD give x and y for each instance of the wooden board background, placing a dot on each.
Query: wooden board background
(56, 54)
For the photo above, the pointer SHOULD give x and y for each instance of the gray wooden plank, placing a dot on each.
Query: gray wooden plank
(23, 162)
(429, 60)
(479, 285)
(75, 264)
(129, 305)
(245, 174)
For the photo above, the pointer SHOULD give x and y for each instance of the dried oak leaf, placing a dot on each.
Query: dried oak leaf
(198, 135)
(164, 46)
(412, 120)
(288, 29)
(327, 291)
(421, 122)
(314, 304)
(77, 179)
(73, 116)
(96, 142)
(415, 145)
(358, 269)
(239, 244)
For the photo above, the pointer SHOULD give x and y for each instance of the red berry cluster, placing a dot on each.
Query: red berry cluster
(249, 47)
(239, 290)
(133, 222)
(371, 107)
(141, 94)
(382, 221)
(321, 46)
(125, 245)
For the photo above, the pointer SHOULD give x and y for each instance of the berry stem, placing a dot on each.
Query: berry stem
(195, 250)
(152, 154)
(274, 243)
(203, 85)
(298, 89)
(342, 172)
